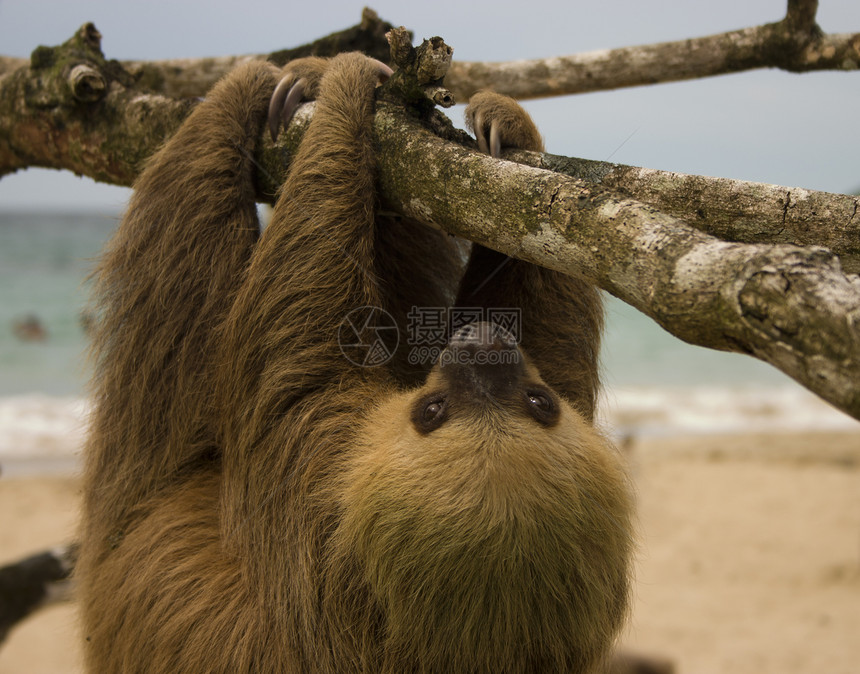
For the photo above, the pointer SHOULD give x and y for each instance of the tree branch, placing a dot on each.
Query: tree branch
(43, 122)
(191, 78)
(733, 210)
(790, 306)
(73, 109)
(795, 43)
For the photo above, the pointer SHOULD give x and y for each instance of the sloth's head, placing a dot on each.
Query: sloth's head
(491, 522)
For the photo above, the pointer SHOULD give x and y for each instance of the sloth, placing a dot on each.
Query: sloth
(254, 502)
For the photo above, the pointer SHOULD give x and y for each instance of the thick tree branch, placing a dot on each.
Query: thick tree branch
(795, 44)
(193, 77)
(45, 121)
(792, 307)
(73, 109)
(733, 210)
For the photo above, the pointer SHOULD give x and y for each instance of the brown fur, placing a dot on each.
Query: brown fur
(515, 127)
(254, 503)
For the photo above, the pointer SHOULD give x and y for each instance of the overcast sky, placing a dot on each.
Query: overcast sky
(770, 126)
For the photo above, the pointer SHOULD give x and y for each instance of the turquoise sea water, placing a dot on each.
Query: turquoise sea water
(44, 262)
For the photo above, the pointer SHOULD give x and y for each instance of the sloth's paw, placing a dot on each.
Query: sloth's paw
(301, 82)
(499, 121)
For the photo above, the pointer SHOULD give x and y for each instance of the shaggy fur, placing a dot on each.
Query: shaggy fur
(255, 503)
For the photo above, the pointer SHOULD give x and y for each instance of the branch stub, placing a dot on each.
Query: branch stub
(88, 84)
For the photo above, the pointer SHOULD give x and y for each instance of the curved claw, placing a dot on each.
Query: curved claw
(288, 94)
(276, 103)
(495, 140)
(290, 91)
(383, 70)
(479, 133)
(494, 146)
(293, 100)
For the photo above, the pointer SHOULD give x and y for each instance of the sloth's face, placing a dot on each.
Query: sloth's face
(483, 427)
(483, 501)
(484, 380)
(493, 396)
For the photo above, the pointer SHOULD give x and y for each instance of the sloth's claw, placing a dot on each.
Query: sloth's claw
(494, 146)
(383, 70)
(302, 79)
(292, 101)
(499, 121)
(284, 102)
(479, 133)
(495, 140)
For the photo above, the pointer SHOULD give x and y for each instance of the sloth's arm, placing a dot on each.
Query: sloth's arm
(286, 389)
(561, 316)
(166, 280)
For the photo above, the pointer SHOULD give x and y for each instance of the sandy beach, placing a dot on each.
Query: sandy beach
(749, 555)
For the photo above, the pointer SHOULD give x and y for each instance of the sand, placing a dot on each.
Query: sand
(749, 556)
(39, 513)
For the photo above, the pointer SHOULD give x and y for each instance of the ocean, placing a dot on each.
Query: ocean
(654, 383)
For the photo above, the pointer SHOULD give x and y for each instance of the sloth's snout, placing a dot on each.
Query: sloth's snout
(482, 359)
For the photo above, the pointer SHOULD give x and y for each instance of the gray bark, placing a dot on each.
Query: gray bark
(734, 210)
(795, 43)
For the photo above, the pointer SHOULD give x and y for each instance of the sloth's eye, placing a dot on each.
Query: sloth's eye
(542, 406)
(430, 413)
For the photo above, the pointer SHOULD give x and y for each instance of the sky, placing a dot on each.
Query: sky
(768, 126)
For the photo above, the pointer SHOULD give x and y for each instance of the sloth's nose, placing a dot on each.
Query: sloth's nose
(482, 359)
